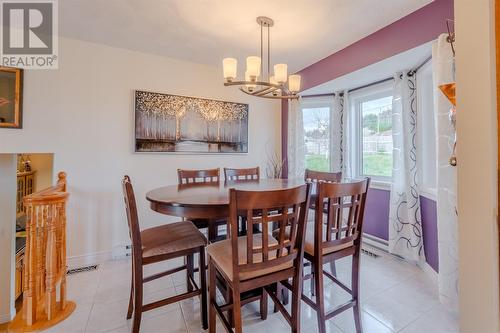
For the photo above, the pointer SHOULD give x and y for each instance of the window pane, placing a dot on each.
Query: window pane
(376, 135)
(317, 138)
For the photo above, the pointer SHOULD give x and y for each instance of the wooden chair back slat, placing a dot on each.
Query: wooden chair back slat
(242, 174)
(341, 199)
(320, 176)
(250, 237)
(265, 235)
(262, 208)
(198, 176)
(292, 218)
(281, 227)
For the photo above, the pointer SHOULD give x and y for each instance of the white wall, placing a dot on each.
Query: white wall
(83, 113)
(477, 166)
(7, 230)
(43, 164)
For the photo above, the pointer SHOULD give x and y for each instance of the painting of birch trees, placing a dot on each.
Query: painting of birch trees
(172, 123)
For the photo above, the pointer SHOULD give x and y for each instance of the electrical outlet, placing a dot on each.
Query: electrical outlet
(122, 251)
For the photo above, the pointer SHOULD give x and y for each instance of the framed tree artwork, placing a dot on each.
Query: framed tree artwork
(11, 91)
(172, 123)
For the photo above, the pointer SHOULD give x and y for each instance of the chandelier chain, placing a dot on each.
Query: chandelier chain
(268, 53)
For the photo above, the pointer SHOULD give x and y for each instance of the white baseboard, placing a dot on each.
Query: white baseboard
(89, 259)
(429, 271)
(383, 246)
(376, 242)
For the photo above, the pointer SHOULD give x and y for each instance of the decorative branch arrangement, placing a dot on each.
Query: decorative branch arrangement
(274, 168)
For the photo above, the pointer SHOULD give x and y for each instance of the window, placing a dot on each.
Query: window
(373, 132)
(316, 122)
(370, 133)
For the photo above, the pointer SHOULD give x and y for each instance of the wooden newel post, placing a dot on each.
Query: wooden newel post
(61, 180)
(46, 260)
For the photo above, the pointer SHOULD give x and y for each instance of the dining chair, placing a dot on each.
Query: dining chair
(203, 177)
(313, 176)
(231, 174)
(158, 244)
(247, 174)
(260, 261)
(198, 176)
(336, 238)
(321, 176)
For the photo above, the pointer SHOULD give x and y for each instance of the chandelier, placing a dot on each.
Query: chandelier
(279, 86)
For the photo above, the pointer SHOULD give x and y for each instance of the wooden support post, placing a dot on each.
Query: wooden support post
(62, 255)
(51, 260)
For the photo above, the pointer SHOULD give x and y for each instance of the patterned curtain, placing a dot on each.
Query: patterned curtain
(405, 224)
(443, 72)
(345, 136)
(339, 134)
(296, 146)
(336, 132)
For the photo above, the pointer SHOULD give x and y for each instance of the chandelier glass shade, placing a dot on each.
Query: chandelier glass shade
(278, 85)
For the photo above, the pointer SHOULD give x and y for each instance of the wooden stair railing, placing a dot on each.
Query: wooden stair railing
(45, 260)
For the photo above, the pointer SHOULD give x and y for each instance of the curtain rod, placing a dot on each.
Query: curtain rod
(410, 73)
(429, 58)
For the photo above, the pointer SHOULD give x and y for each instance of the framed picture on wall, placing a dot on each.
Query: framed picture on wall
(172, 123)
(11, 91)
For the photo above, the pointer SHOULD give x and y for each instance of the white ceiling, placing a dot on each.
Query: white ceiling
(381, 70)
(205, 31)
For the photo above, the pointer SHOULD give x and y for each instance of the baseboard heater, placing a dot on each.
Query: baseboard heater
(371, 245)
(82, 269)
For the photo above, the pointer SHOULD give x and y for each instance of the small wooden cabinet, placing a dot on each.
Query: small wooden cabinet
(19, 274)
(25, 186)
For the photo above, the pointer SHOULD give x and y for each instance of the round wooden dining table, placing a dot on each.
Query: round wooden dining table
(208, 200)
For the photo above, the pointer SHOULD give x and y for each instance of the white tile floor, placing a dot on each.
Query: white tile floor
(395, 297)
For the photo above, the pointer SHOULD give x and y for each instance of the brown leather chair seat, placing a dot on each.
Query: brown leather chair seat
(221, 253)
(170, 238)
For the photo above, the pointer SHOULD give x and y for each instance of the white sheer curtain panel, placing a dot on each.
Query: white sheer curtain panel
(405, 223)
(443, 72)
(296, 146)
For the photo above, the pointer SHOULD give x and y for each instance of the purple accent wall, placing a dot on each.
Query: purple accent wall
(428, 211)
(376, 220)
(408, 32)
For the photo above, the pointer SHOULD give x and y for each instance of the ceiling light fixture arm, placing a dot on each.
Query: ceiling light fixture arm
(279, 86)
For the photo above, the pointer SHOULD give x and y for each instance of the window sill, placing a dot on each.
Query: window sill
(380, 185)
(429, 193)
